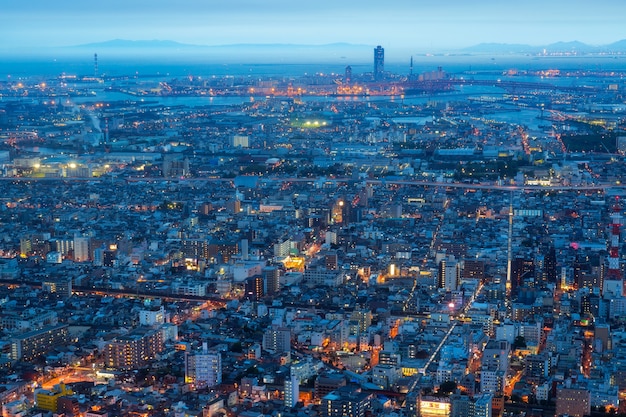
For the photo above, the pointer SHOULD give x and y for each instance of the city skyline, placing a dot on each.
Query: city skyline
(400, 25)
(264, 230)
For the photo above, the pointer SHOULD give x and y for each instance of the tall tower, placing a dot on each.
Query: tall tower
(379, 62)
(95, 65)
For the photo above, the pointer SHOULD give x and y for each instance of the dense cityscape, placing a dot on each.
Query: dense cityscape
(425, 243)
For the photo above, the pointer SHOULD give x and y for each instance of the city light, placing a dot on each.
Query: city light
(390, 237)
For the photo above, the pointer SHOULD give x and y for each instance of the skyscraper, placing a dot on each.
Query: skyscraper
(348, 75)
(379, 62)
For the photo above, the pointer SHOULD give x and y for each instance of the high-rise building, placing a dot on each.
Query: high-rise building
(363, 318)
(68, 405)
(449, 274)
(573, 402)
(222, 251)
(175, 166)
(550, 264)
(483, 405)
(331, 260)
(63, 245)
(345, 402)
(277, 339)
(253, 287)
(30, 345)
(81, 249)
(614, 280)
(133, 350)
(240, 141)
(26, 246)
(152, 316)
(271, 280)
(196, 249)
(348, 75)
(328, 382)
(243, 247)
(292, 390)
(537, 368)
(460, 405)
(492, 380)
(61, 286)
(379, 63)
(473, 269)
(203, 369)
(496, 354)
(521, 269)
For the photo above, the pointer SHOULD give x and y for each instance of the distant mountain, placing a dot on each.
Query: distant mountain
(287, 53)
(124, 43)
(557, 47)
(617, 46)
(340, 49)
(574, 46)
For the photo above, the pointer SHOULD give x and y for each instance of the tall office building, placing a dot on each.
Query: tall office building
(379, 62)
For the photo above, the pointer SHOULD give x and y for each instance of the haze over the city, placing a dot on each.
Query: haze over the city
(398, 24)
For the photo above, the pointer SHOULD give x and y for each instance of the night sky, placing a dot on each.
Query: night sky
(417, 24)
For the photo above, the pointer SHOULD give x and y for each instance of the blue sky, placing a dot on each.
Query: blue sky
(403, 24)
